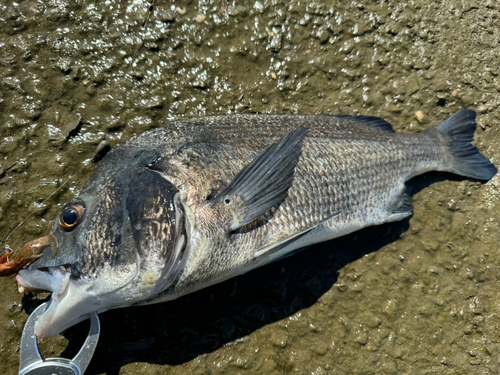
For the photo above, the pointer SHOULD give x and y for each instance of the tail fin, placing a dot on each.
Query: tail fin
(468, 161)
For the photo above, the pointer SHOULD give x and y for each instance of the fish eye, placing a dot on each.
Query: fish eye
(71, 216)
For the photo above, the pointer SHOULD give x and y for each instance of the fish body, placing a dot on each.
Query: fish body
(194, 203)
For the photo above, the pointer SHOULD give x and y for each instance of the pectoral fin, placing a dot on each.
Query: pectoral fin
(264, 182)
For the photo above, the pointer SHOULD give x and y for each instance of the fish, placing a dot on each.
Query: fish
(196, 202)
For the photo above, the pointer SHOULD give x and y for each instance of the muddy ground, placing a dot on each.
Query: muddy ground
(415, 297)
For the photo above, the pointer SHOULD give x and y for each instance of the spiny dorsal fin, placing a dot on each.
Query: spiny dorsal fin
(371, 121)
(264, 182)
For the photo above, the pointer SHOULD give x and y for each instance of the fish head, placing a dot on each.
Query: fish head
(121, 241)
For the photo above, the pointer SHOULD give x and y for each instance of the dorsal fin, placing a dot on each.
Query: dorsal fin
(371, 121)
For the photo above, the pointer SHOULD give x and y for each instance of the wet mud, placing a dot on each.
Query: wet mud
(415, 297)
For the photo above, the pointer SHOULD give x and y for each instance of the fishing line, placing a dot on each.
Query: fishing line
(151, 7)
(7, 247)
(149, 14)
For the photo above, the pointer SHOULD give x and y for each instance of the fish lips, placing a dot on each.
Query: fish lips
(47, 279)
(67, 257)
(59, 314)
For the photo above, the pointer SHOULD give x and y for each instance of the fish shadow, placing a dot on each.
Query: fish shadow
(176, 332)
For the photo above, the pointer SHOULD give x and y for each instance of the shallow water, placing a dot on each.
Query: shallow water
(416, 297)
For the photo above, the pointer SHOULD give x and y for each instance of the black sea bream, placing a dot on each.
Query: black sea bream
(194, 203)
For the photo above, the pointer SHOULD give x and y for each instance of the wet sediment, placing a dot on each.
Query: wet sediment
(414, 297)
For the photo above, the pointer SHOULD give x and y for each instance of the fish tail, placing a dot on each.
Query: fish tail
(458, 131)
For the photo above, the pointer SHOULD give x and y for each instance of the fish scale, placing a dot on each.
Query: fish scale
(194, 203)
(366, 176)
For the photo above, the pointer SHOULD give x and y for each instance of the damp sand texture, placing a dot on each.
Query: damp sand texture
(415, 297)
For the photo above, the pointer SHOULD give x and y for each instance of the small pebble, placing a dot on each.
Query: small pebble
(454, 93)
(200, 18)
(420, 116)
(273, 75)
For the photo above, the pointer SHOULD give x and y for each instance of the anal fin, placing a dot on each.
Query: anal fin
(402, 208)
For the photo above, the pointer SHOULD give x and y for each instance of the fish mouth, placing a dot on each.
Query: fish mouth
(42, 280)
(56, 280)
